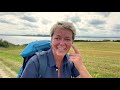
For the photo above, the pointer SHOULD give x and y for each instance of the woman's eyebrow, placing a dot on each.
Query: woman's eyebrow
(67, 37)
(58, 35)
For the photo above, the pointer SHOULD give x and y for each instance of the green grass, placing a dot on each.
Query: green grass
(10, 58)
(102, 59)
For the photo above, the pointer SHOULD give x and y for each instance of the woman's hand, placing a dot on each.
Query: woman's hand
(77, 60)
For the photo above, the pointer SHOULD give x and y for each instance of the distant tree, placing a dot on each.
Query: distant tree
(5, 44)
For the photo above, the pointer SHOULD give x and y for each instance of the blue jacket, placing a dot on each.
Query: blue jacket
(32, 68)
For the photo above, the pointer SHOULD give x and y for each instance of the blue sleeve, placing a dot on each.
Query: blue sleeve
(31, 69)
(75, 72)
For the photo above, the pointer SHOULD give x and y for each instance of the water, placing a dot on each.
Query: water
(22, 39)
(27, 39)
(97, 38)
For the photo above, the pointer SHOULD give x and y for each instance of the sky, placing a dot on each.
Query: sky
(86, 23)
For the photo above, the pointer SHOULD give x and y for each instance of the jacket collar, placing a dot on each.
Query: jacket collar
(51, 59)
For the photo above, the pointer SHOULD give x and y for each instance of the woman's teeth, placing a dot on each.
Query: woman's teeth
(62, 48)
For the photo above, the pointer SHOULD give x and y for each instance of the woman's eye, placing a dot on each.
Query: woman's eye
(67, 39)
(57, 38)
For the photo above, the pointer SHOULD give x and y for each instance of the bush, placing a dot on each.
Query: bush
(5, 44)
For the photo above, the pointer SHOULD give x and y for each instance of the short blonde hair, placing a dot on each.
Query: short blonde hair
(65, 25)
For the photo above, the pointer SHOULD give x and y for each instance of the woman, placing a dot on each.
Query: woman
(62, 37)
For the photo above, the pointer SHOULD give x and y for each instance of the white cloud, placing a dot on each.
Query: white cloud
(86, 23)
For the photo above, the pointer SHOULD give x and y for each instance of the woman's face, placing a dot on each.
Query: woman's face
(61, 41)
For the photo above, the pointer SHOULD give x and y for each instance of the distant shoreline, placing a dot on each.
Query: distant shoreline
(49, 36)
(26, 35)
(24, 39)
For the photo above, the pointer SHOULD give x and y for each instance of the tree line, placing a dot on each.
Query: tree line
(7, 44)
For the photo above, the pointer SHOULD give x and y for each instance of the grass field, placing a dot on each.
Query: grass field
(102, 59)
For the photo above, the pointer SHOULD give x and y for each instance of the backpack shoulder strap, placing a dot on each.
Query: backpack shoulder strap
(42, 57)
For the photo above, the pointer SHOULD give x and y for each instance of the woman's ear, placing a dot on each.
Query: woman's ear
(51, 40)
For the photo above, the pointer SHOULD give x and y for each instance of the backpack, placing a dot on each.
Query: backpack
(38, 48)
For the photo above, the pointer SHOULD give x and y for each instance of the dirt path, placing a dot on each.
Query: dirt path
(3, 74)
(6, 72)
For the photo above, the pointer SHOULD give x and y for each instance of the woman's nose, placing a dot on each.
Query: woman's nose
(62, 42)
